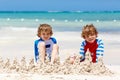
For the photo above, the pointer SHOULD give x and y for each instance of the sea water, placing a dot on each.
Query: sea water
(61, 21)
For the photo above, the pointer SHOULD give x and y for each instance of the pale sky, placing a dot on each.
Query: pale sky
(59, 5)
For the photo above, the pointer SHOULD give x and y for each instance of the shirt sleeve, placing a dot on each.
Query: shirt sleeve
(100, 49)
(36, 53)
(54, 40)
(82, 51)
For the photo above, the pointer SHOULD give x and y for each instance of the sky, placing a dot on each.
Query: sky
(59, 5)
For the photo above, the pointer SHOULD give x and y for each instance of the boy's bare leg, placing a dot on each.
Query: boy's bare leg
(42, 52)
(54, 54)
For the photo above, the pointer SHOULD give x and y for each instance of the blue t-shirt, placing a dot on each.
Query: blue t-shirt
(48, 44)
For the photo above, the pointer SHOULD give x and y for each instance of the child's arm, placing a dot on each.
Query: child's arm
(36, 53)
(100, 49)
(55, 51)
(82, 51)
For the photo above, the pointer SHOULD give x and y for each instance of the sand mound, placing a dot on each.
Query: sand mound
(86, 67)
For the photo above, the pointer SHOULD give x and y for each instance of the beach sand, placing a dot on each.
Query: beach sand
(16, 47)
(19, 70)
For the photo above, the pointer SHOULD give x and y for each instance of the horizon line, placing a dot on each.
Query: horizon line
(17, 11)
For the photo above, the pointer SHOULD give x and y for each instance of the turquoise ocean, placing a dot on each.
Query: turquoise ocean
(105, 21)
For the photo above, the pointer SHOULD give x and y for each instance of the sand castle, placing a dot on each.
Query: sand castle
(85, 67)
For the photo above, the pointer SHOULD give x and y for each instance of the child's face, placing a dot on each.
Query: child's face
(90, 38)
(45, 35)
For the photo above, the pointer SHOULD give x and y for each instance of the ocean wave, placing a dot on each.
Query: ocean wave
(17, 28)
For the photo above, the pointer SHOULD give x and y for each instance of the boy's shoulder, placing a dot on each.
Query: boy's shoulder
(83, 43)
(53, 39)
(99, 39)
(37, 41)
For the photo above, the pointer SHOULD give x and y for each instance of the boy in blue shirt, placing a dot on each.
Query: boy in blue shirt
(45, 45)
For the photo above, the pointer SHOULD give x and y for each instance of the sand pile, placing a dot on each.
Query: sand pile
(86, 67)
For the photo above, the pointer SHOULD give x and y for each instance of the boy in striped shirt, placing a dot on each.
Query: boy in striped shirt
(91, 42)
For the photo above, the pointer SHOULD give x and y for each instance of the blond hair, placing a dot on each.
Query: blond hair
(89, 30)
(44, 28)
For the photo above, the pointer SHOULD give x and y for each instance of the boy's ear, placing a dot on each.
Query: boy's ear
(39, 35)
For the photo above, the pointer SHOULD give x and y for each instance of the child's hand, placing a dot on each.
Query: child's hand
(72, 59)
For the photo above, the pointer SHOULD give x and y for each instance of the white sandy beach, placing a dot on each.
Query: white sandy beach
(56, 77)
(16, 44)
